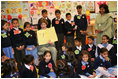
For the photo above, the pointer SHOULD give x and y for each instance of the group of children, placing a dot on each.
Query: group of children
(90, 60)
(74, 59)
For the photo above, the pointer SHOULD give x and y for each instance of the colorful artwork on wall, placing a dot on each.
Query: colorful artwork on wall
(33, 9)
(112, 5)
(90, 5)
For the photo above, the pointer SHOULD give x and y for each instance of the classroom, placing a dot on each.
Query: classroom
(59, 39)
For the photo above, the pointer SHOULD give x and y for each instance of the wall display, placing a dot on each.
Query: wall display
(112, 5)
(65, 7)
(90, 5)
(14, 9)
(32, 9)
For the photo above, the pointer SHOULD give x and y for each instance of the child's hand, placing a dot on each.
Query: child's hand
(94, 74)
(33, 47)
(81, 31)
(75, 28)
(28, 48)
(12, 50)
(49, 42)
(68, 32)
(4, 58)
(90, 76)
(22, 47)
(104, 68)
(51, 77)
(73, 23)
(18, 48)
(92, 59)
(107, 58)
(51, 69)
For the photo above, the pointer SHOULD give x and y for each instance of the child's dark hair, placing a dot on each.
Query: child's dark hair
(3, 22)
(58, 11)
(79, 7)
(14, 19)
(70, 57)
(47, 52)
(106, 36)
(78, 39)
(44, 11)
(91, 37)
(28, 59)
(26, 23)
(102, 50)
(68, 14)
(68, 46)
(83, 53)
(9, 67)
(43, 21)
(62, 67)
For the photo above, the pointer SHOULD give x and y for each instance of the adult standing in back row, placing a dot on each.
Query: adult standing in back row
(104, 23)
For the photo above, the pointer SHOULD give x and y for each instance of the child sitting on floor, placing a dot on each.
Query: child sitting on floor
(9, 69)
(91, 48)
(85, 67)
(28, 69)
(47, 66)
(102, 64)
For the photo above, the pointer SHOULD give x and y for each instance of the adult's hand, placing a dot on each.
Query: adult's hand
(68, 32)
(49, 42)
(99, 31)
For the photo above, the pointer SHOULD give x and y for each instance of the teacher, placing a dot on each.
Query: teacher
(104, 24)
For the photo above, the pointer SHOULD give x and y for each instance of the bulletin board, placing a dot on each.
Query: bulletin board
(32, 9)
(13, 9)
(64, 6)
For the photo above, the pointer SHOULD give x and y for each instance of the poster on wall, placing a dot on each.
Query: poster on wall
(28, 9)
(90, 6)
(37, 6)
(14, 9)
(64, 6)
